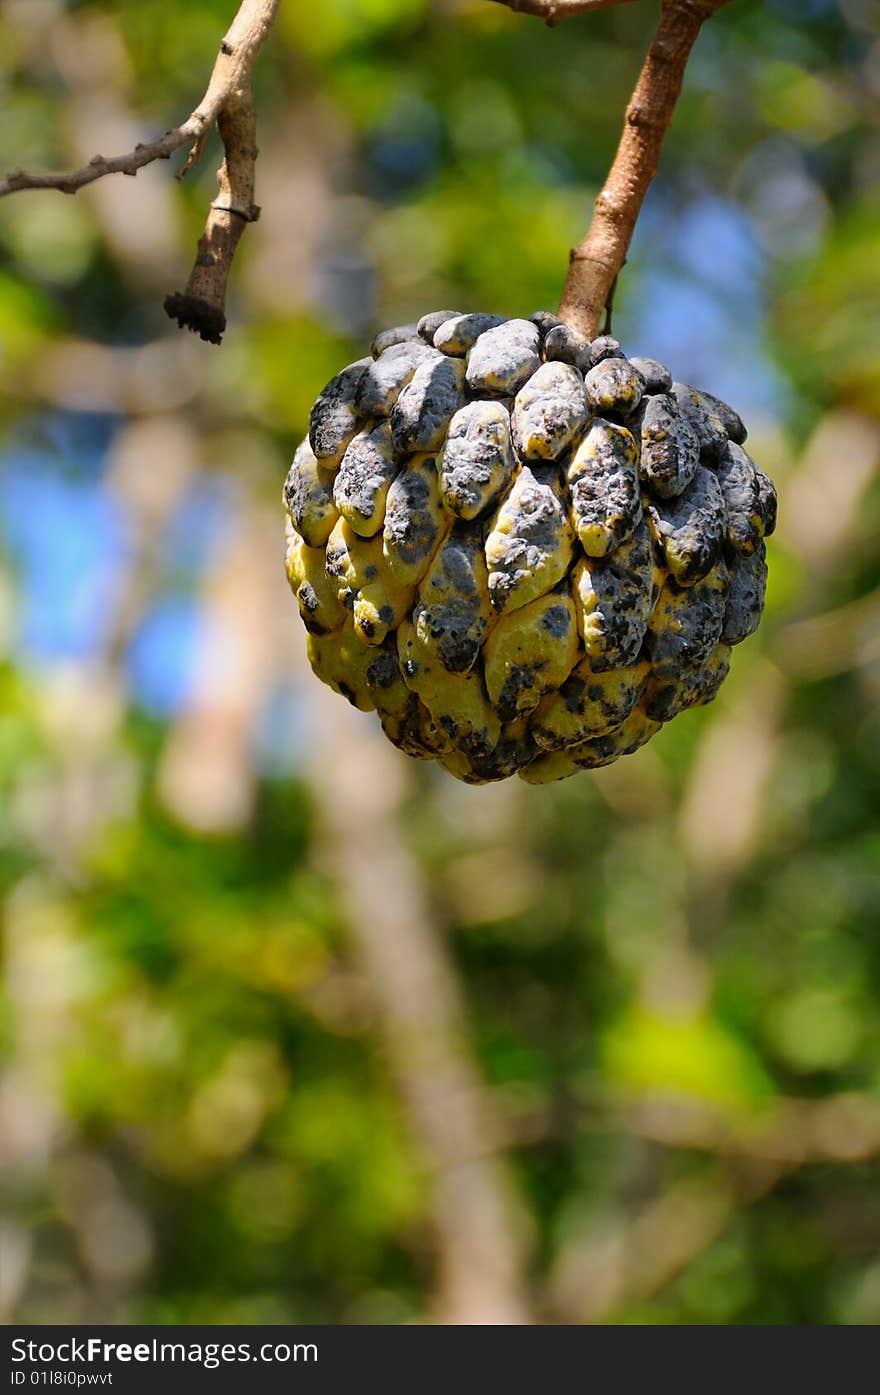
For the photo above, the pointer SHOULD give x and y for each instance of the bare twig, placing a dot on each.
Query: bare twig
(227, 101)
(70, 181)
(597, 260)
(552, 11)
(201, 306)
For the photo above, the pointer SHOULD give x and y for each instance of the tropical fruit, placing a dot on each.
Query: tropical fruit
(523, 550)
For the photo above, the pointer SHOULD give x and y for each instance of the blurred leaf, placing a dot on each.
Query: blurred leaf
(696, 1056)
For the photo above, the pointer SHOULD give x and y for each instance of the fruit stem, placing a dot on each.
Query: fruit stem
(595, 262)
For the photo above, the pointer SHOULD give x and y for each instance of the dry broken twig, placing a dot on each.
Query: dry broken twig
(228, 103)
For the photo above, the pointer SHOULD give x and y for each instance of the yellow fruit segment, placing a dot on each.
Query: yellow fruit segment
(341, 660)
(530, 543)
(405, 720)
(453, 612)
(456, 701)
(549, 412)
(308, 496)
(603, 488)
(415, 520)
(316, 593)
(365, 583)
(530, 651)
(634, 732)
(588, 704)
(615, 596)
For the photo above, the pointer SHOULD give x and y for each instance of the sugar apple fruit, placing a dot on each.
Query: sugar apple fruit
(522, 549)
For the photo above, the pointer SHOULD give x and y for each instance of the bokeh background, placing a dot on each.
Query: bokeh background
(295, 1029)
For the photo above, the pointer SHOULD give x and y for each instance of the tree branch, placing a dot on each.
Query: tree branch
(597, 260)
(228, 102)
(553, 11)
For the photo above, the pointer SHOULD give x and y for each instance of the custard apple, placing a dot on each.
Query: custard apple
(522, 549)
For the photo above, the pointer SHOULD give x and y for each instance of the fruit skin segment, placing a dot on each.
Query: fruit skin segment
(603, 487)
(530, 544)
(454, 611)
(615, 597)
(334, 420)
(530, 652)
(522, 550)
(308, 496)
(365, 583)
(316, 592)
(691, 529)
(361, 484)
(477, 462)
(420, 415)
(457, 702)
(549, 412)
(588, 704)
(670, 447)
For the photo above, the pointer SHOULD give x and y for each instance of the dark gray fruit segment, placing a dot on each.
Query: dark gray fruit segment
(670, 446)
(387, 338)
(545, 320)
(383, 380)
(705, 421)
(691, 529)
(742, 498)
(334, 417)
(633, 733)
(686, 624)
(767, 501)
(451, 605)
(605, 346)
(411, 526)
(428, 325)
(422, 411)
(568, 346)
(745, 601)
(513, 751)
(731, 421)
(693, 686)
(657, 377)
(477, 462)
(459, 334)
(503, 358)
(362, 480)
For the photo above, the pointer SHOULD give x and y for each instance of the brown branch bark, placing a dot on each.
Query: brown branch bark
(553, 11)
(228, 102)
(596, 261)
